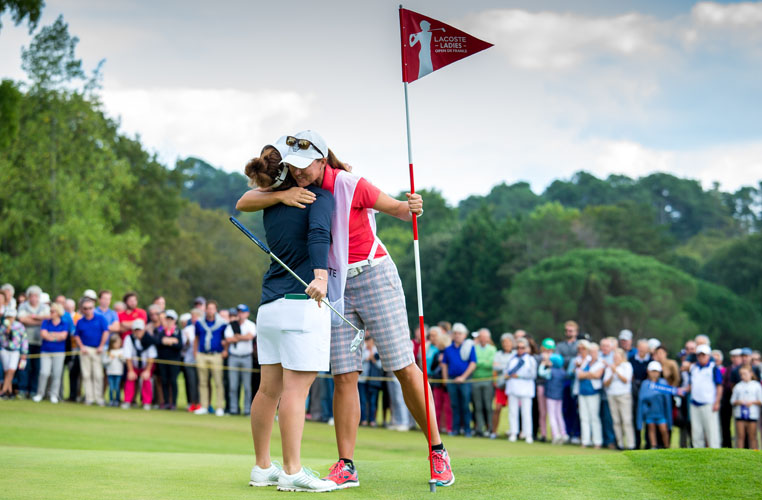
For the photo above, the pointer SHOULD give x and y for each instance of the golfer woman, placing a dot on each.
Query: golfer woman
(364, 283)
(293, 332)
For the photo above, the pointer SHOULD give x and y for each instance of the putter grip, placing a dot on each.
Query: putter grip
(253, 238)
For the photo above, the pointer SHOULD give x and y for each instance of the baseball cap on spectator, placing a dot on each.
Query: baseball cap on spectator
(138, 324)
(199, 300)
(736, 352)
(302, 158)
(746, 351)
(475, 334)
(243, 308)
(90, 294)
(549, 343)
(653, 344)
(625, 335)
(460, 327)
(185, 317)
(704, 349)
(654, 366)
(233, 311)
(45, 298)
(557, 360)
(171, 313)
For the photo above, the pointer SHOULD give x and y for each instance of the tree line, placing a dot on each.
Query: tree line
(83, 205)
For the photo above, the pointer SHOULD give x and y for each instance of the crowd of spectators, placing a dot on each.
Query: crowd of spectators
(612, 393)
(129, 353)
(617, 393)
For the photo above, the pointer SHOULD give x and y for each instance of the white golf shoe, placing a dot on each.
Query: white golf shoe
(305, 480)
(265, 477)
(37, 398)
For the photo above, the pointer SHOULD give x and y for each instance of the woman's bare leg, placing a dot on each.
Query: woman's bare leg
(664, 431)
(296, 386)
(8, 382)
(751, 431)
(740, 435)
(263, 410)
(652, 436)
(346, 412)
(496, 418)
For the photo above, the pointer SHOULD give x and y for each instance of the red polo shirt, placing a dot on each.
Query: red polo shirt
(132, 316)
(360, 233)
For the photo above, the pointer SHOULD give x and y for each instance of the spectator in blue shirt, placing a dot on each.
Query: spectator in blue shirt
(458, 363)
(208, 348)
(54, 332)
(91, 333)
(655, 406)
(104, 309)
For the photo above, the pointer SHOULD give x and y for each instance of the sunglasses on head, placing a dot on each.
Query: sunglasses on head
(302, 144)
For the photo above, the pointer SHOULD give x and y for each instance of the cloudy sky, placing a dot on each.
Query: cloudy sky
(627, 87)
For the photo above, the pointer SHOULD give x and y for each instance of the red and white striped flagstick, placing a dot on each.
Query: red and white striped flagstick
(416, 251)
(432, 54)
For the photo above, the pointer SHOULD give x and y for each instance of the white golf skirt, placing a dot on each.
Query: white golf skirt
(295, 333)
(9, 359)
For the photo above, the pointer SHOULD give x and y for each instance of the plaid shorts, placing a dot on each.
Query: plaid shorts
(374, 300)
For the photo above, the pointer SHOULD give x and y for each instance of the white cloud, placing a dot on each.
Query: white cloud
(731, 165)
(560, 41)
(223, 126)
(552, 40)
(718, 25)
(733, 15)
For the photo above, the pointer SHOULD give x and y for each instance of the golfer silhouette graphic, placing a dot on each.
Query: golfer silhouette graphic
(424, 56)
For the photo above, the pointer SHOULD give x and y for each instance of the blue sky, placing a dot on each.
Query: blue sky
(627, 87)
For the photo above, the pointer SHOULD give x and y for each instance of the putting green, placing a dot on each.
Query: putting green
(71, 451)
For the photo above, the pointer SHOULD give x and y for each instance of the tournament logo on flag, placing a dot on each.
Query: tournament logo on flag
(428, 45)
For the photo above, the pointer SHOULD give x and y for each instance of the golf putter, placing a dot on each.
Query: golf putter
(359, 337)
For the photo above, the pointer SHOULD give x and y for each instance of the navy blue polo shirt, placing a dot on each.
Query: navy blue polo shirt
(301, 238)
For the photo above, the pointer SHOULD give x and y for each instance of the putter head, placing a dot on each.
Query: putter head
(357, 341)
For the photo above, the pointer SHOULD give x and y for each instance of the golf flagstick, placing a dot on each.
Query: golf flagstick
(360, 333)
(417, 253)
(422, 54)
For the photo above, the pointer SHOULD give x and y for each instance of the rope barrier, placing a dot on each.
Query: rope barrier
(254, 370)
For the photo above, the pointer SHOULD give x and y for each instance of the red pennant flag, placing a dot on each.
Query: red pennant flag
(428, 45)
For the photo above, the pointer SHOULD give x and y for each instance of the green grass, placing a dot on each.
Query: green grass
(77, 452)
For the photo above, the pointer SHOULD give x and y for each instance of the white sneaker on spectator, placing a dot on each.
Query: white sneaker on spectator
(54, 400)
(125, 406)
(219, 412)
(304, 480)
(512, 438)
(201, 411)
(575, 440)
(493, 436)
(265, 477)
(530, 440)
(147, 407)
(37, 398)
(330, 421)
